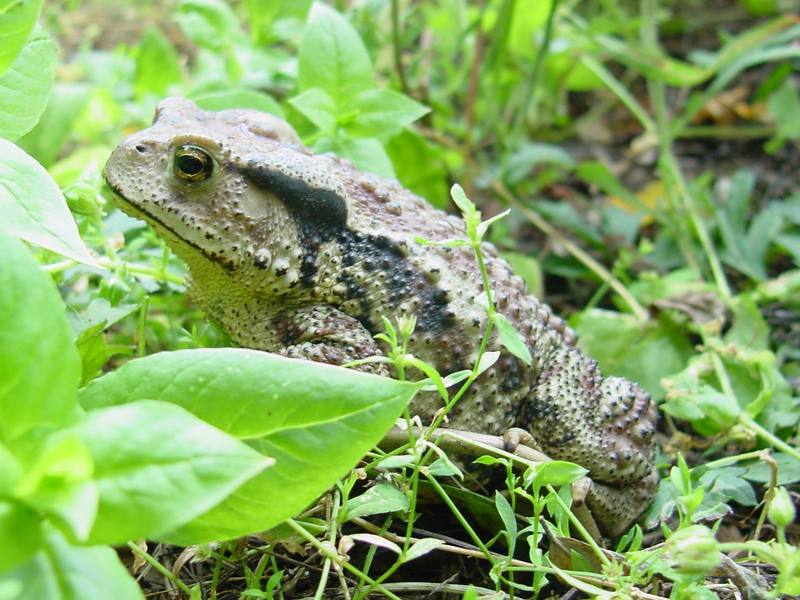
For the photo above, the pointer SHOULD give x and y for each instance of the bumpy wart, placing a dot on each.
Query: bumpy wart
(301, 254)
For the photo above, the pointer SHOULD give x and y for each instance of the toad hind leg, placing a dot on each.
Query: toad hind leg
(603, 424)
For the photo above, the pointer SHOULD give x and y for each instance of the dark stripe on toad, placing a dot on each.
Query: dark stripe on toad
(320, 216)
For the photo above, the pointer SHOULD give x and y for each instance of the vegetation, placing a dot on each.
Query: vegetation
(648, 153)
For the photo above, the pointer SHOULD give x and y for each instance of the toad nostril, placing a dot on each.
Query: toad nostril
(141, 148)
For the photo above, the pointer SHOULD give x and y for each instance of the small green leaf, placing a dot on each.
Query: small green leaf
(383, 113)
(39, 366)
(511, 339)
(157, 65)
(507, 515)
(422, 547)
(312, 418)
(33, 207)
(17, 18)
(318, 107)
(157, 467)
(25, 86)
(333, 57)
(238, 98)
(379, 499)
(460, 199)
(66, 572)
(557, 472)
(20, 534)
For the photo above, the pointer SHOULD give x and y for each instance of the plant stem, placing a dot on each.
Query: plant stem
(604, 274)
(769, 437)
(396, 47)
(151, 560)
(330, 553)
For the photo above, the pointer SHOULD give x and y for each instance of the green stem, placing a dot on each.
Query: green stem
(330, 553)
(581, 529)
(151, 560)
(459, 517)
(769, 437)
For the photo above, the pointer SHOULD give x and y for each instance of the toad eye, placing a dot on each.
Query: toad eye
(192, 163)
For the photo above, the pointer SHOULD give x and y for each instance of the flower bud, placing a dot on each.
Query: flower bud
(781, 510)
(693, 550)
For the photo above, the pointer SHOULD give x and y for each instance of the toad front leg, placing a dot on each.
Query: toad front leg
(323, 333)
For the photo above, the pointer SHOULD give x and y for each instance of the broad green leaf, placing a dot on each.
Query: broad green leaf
(39, 366)
(315, 420)
(209, 23)
(20, 534)
(367, 154)
(238, 98)
(158, 466)
(419, 165)
(511, 339)
(788, 470)
(641, 352)
(25, 86)
(33, 208)
(382, 113)
(58, 482)
(318, 107)
(529, 269)
(157, 65)
(65, 572)
(379, 499)
(44, 141)
(333, 57)
(17, 18)
(10, 471)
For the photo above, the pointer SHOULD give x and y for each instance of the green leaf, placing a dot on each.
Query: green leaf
(315, 420)
(788, 470)
(557, 472)
(39, 366)
(33, 208)
(318, 107)
(623, 346)
(157, 467)
(379, 499)
(20, 534)
(209, 23)
(66, 572)
(157, 65)
(511, 339)
(529, 269)
(17, 18)
(59, 483)
(25, 86)
(784, 106)
(367, 154)
(419, 165)
(44, 141)
(238, 98)
(333, 57)
(507, 516)
(383, 113)
(422, 547)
